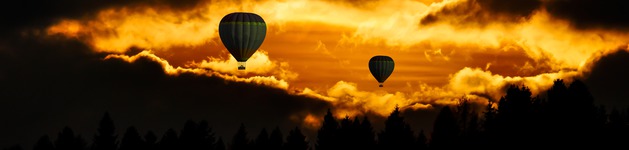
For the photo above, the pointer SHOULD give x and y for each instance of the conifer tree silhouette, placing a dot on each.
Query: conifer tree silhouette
(276, 141)
(397, 134)
(468, 123)
(366, 135)
(262, 141)
(489, 117)
(131, 140)
(240, 140)
(150, 141)
(557, 111)
(220, 145)
(169, 141)
(355, 131)
(581, 115)
(188, 136)
(488, 124)
(68, 141)
(206, 136)
(446, 130)
(514, 117)
(44, 143)
(327, 135)
(296, 140)
(105, 138)
(197, 136)
(463, 111)
(558, 95)
(346, 134)
(471, 137)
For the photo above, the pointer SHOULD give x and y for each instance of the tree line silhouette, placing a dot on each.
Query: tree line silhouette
(566, 118)
(193, 136)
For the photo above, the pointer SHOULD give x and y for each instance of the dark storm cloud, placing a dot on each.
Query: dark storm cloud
(24, 14)
(484, 11)
(584, 14)
(48, 83)
(608, 80)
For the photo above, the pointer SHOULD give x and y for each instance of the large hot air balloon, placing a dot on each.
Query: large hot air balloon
(381, 67)
(242, 34)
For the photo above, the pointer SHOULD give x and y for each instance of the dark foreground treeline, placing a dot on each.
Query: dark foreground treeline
(566, 118)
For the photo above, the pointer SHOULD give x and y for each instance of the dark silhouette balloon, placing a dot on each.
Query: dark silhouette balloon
(242, 34)
(381, 67)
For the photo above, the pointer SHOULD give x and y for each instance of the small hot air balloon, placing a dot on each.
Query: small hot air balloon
(242, 34)
(381, 68)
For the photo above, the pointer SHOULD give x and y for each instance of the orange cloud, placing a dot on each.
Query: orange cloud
(476, 81)
(170, 70)
(259, 63)
(437, 53)
(312, 121)
(69, 28)
(118, 29)
(348, 100)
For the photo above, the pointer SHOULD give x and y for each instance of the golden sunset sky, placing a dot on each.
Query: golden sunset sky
(443, 50)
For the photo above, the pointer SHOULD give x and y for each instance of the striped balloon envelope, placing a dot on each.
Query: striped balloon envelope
(381, 68)
(242, 33)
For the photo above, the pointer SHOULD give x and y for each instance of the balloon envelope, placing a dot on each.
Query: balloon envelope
(242, 33)
(381, 68)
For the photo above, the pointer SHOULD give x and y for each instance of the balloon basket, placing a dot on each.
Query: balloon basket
(242, 65)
